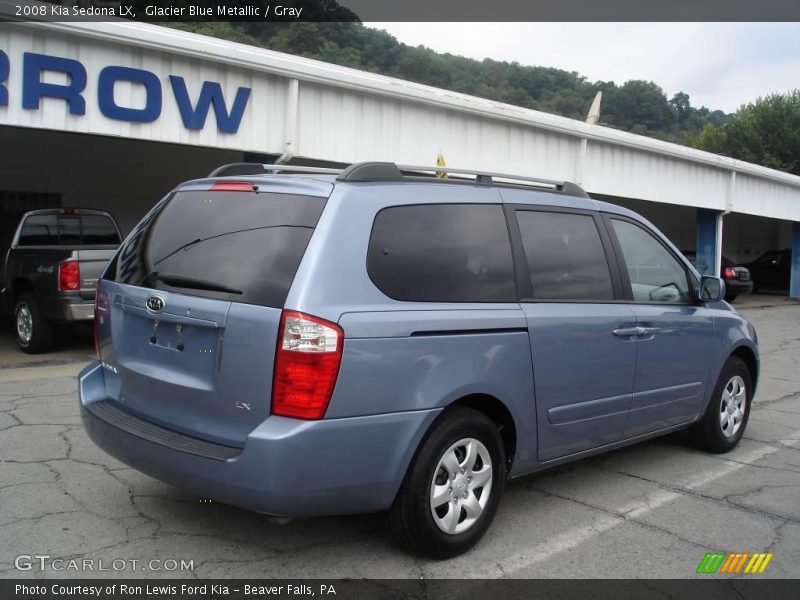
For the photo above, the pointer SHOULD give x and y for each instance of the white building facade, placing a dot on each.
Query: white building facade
(113, 114)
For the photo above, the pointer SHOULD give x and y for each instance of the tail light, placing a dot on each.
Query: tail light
(69, 276)
(306, 365)
(729, 273)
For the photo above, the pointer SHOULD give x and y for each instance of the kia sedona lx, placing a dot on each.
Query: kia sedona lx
(377, 339)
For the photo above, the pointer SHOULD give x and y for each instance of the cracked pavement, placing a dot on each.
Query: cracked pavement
(651, 510)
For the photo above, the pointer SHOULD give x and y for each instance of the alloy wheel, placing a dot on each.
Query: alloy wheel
(24, 324)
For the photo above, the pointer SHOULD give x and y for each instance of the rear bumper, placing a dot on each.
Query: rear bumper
(287, 467)
(67, 308)
(80, 312)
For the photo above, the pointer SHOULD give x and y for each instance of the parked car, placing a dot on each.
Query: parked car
(49, 264)
(313, 344)
(736, 277)
(772, 270)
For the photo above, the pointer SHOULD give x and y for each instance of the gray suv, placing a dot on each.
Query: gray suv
(379, 339)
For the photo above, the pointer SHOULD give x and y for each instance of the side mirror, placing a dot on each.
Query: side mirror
(711, 289)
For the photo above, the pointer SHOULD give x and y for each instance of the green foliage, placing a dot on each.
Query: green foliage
(765, 132)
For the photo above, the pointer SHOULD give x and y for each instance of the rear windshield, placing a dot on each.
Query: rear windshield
(239, 246)
(68, 230)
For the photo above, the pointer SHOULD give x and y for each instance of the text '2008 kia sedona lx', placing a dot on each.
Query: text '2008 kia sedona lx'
(377, 339)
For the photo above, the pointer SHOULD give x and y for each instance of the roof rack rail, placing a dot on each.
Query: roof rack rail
(245, 168)
(566, 187)
(388, 171)
(371, 171)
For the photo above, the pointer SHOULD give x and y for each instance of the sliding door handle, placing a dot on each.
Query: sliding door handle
(628, 331)
(649, 330)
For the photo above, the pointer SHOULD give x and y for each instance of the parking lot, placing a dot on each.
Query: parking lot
(648, 511)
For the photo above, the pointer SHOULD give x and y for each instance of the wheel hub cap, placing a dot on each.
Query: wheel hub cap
(461, 486)
(732, 406)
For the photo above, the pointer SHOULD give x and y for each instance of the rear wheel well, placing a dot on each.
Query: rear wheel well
(749, 358)
(497, 412)
(21, 286)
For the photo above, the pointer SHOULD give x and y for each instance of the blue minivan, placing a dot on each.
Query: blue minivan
(300, 341)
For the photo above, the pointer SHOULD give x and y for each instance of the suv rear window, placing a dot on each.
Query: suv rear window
(442, 253)
(68, 230)
(243, 247)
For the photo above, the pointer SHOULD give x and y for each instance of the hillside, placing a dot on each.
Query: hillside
(637, 106)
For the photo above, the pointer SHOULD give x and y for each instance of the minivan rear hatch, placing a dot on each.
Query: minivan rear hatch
(189, 311)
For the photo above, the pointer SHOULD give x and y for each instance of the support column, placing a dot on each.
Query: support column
(794, 277)
(709, 241)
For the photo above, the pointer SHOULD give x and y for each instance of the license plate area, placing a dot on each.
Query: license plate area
(173, 336)
(169, 348)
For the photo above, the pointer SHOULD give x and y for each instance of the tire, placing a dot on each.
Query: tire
(731, 297)
(462, 438)
(34, 332)
(720, 429)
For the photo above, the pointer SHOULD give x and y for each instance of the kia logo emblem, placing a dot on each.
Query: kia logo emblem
(155, 304)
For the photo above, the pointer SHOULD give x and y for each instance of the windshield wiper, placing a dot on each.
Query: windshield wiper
(176, 280)
(188, 245)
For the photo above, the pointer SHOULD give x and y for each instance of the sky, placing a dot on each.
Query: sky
(720, 65)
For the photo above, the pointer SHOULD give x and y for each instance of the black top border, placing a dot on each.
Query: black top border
(277, 11)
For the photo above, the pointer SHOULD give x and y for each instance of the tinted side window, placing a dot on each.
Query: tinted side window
(656, 275)
(98, 229)
(50, 230)
(442, 253)
(565, 256)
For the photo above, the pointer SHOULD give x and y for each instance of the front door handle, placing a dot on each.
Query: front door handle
(636, 331)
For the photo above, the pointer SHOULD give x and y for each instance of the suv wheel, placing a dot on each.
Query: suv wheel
(725, 419)
(34, 333)
(453, 486)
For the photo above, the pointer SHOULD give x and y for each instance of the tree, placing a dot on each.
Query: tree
(765, 132)
(680, 102)
(637, 106)
(638, 103)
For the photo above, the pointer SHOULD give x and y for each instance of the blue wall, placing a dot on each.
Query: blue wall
(707, 241)
(794, 282)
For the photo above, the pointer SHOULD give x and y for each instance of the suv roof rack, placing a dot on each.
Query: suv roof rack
(565, 187)
(388, 171)
(245, 168)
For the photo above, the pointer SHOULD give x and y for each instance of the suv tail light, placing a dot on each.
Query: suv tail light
(306, 365)
(69, 276)
(729, 273)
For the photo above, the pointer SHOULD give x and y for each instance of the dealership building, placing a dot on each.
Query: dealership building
(111, 115)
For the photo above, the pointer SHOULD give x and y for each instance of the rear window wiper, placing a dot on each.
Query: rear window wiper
(176, 280)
